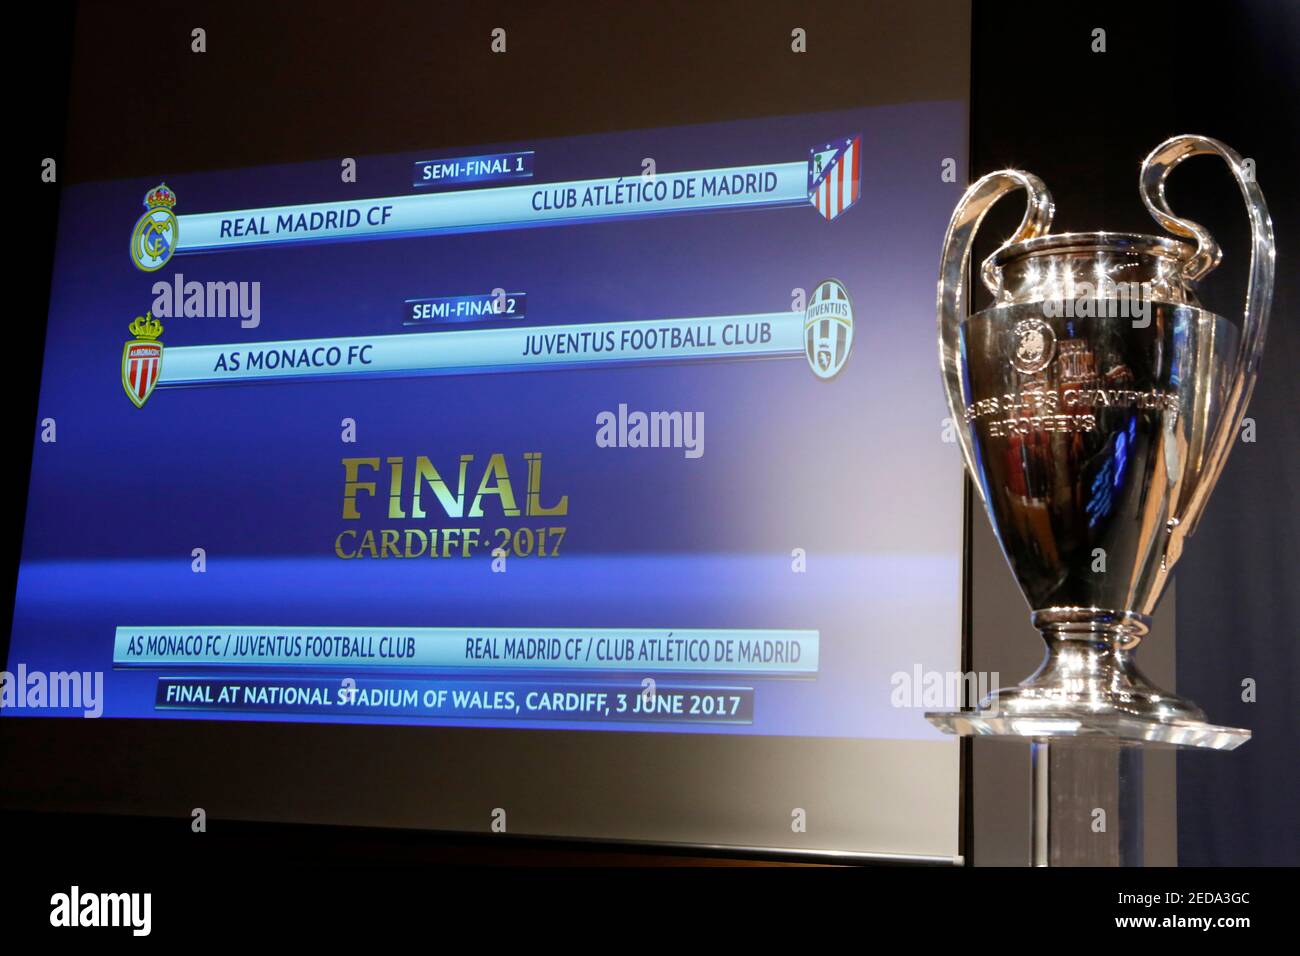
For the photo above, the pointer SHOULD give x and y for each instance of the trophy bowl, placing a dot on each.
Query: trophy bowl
(1095, 402)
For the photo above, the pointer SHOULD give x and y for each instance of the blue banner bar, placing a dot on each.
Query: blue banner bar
(524, 348)
(638, 650)
(479, 700)
(501, 207)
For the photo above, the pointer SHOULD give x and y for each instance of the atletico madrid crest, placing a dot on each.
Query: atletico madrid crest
(834, 176)
(142, 359)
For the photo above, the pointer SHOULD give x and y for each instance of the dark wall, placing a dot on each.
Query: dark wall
(41, 114)
(1083, 121)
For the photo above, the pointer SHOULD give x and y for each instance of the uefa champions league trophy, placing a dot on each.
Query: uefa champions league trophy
(1096, 402)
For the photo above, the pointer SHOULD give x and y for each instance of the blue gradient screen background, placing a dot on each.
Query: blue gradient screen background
(853, 471)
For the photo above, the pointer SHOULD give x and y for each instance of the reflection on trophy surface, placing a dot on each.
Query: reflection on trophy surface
(1096, 402)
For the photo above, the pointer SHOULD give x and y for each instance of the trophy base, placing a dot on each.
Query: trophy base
(1088, 685)
(1119, 728)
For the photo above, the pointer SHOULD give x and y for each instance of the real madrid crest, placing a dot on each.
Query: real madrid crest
(828, 328)
(142, 359)
(156, 232)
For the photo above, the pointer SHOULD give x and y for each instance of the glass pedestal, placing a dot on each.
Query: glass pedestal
(1087, 776)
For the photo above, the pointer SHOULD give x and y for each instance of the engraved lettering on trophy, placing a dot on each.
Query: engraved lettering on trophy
(1153, 400)
(1032, 402)
(1042, 423)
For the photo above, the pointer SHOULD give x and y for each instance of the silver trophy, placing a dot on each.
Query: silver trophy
(1096, 402)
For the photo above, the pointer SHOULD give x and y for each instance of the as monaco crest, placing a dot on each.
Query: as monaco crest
(835, 176)
(142, 359)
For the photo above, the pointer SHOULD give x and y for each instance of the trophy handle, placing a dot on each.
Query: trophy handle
(966, 219)
(1259, 296)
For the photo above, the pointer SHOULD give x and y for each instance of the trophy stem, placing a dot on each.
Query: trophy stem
(1087, 801)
